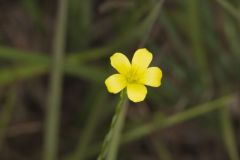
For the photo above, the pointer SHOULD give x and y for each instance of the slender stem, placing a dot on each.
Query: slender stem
(160, 123)
(228, 134)
(111, 142)
(52, 117)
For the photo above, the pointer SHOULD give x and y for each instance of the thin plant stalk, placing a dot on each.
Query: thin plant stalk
(54, 101)
(112, 140)
(157, 123)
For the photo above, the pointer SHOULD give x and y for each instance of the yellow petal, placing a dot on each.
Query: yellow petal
(141, 59)
(153, 77)
(120, 62)
(136, 92)
(115, 83)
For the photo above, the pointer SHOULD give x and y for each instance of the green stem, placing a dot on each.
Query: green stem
(157, 123)
(228, 134)
(111, 142)
(54, 101)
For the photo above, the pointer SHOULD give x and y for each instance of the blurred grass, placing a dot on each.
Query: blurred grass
(162, 151)
(89, 129)
(228, 133)
(197, 42)
(35, 12)
(230, 8)
(79, 28)
(231, 31)
(198, 48)
(12, 54)
(161, 122)
(52, 120)
(14, 74)
(93, 54)
(6, 114)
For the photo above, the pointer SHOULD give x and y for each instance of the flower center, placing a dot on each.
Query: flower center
(133, 76)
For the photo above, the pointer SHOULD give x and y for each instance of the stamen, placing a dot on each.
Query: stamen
(133, 76)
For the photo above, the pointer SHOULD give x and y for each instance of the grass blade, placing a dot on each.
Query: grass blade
(54, 101)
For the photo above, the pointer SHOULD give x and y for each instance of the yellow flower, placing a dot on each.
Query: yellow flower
(133, 76)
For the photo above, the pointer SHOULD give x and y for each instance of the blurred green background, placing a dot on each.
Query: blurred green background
(194, 115)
